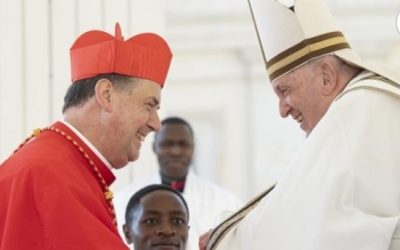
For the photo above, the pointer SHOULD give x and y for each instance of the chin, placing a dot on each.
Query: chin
(134, 158)
(122, 162)
(120, 165)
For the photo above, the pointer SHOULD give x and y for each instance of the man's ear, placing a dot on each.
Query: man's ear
(127, 234)
(103, 92)
(329, 78)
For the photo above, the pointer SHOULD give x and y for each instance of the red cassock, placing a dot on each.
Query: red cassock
(50, 197)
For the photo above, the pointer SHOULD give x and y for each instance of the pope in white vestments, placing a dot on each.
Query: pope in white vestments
(208, 203)
(342, 190)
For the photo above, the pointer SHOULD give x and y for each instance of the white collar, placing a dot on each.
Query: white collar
(359, 76)
(88, 143)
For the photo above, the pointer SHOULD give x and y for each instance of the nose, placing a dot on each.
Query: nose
(284, 108)
(176, 149)
(165, 229)
(154, 121)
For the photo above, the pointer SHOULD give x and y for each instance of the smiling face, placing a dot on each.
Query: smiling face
(159, 222)
(300, 94)
(174, 148)
(134, 116)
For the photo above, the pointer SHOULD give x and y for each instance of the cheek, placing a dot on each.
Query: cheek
(143, 234)
(188, 154)
(141, 118)
(300, 100)
(184, 235)
(162, 154)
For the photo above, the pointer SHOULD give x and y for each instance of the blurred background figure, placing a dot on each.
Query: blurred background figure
(174, 146)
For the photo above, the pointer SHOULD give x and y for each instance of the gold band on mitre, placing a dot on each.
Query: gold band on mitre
(304, 51)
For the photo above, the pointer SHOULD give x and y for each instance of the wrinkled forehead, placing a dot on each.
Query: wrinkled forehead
(283, 80)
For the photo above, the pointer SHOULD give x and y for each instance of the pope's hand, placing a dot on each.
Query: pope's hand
(204, 239)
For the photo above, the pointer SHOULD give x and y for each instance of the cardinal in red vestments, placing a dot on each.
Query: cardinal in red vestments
(54, 188)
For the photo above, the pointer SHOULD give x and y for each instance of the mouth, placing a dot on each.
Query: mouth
(175, 164)
(299, 118)
(166, 244)
(140, 136)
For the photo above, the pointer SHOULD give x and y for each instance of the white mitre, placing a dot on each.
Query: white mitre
(290, 37)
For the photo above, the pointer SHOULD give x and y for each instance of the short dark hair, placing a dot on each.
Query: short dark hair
(135, 199)
(177, 120)
(79, 92)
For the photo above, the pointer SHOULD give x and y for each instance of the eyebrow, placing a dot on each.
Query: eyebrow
(156, 212)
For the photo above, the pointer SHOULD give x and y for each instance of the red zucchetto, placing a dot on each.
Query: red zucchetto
(145, 55)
